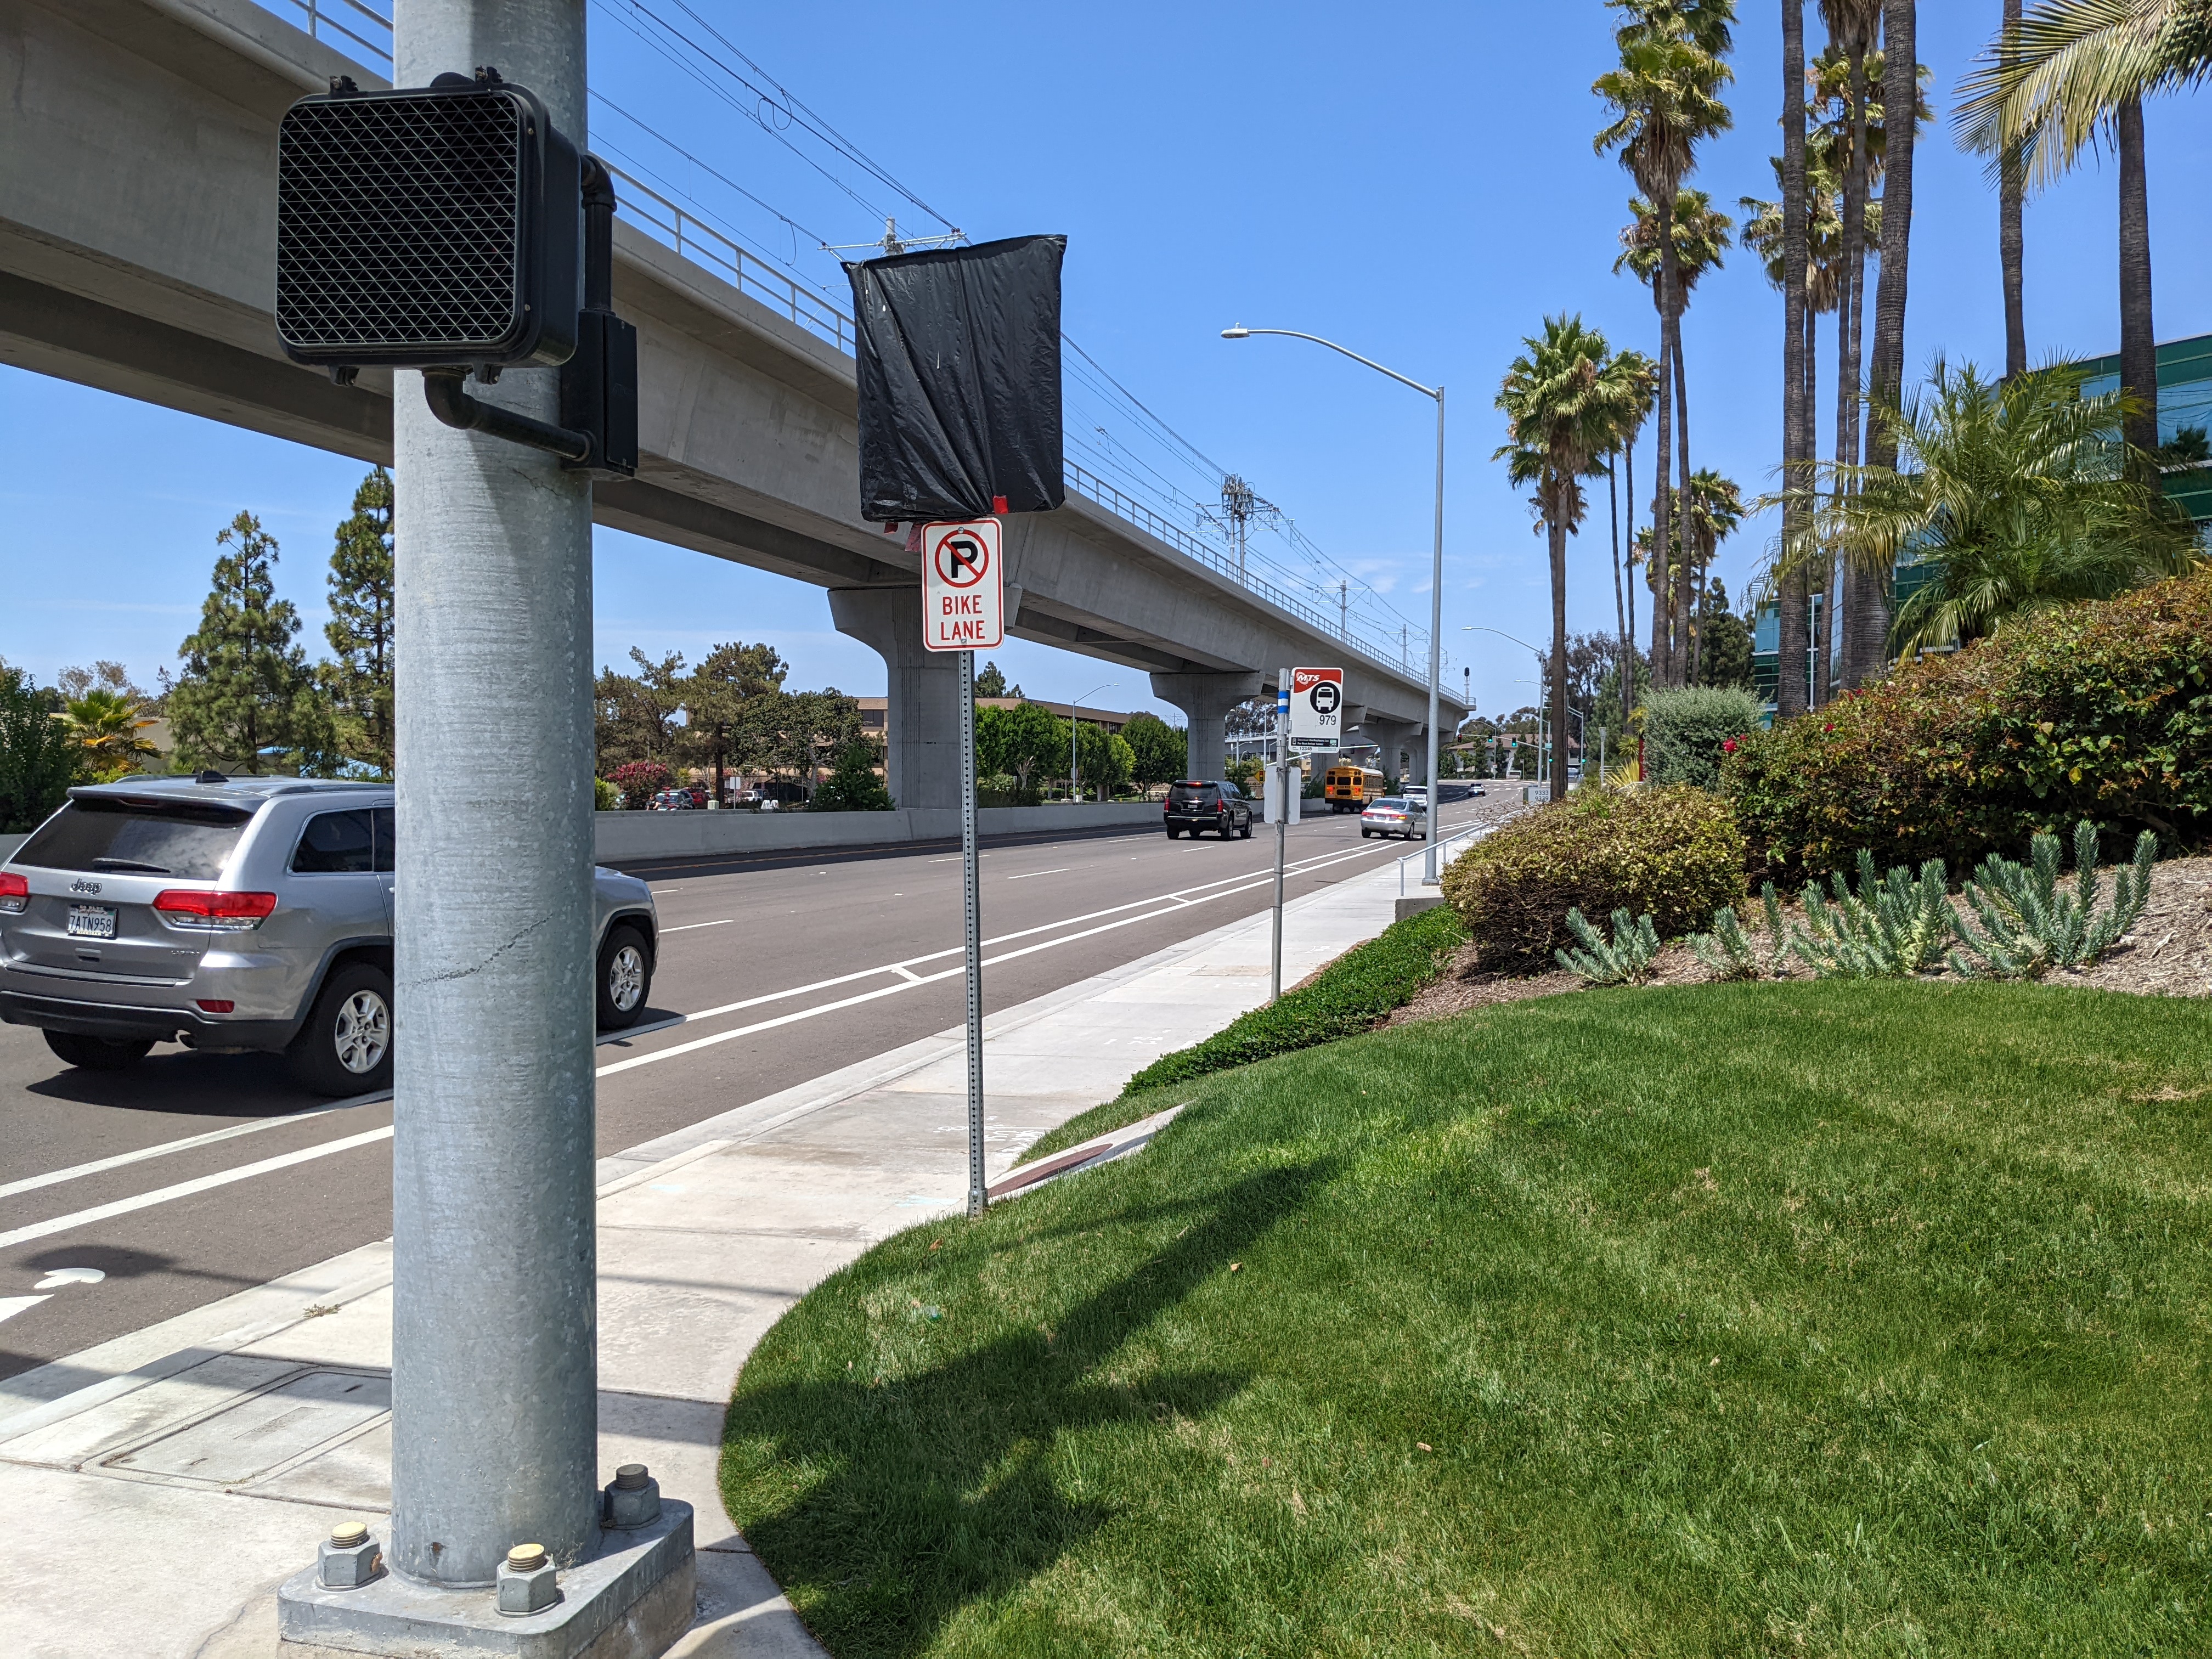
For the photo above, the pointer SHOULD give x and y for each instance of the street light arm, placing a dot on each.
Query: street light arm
(1241, 332)
(1476, 628)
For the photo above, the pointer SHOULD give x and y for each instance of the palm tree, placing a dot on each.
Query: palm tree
(1644, 374)
(1711, 510)
(108, 726)
(2012, 239)
(1665, 96)
(2012, 496)
(1701, 236)
(1564, 399)
(2067, 74)
(1796, 407)
(1826, 273)
(1865, 646)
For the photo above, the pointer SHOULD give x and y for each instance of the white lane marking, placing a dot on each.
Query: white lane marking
(61, 1276)
(12, 1305)
(1063, 871)
(100, 1166)
(9, 1307)
(688, 925)
(912, 978)
(62, 1224)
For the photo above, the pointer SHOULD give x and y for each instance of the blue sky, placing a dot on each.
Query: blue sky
(1415, 180)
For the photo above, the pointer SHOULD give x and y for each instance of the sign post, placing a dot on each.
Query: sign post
(1308, 714)
(964, 611)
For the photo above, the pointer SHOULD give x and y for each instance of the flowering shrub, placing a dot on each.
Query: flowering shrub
(2101, 711)
(639, 781)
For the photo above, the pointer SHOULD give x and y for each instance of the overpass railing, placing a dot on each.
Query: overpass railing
(358, 26)
(694, 238)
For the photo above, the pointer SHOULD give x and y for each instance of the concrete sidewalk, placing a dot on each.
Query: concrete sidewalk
(160, 1486)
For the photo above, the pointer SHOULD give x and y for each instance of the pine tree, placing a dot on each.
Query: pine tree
(248, 687)
(359, 680)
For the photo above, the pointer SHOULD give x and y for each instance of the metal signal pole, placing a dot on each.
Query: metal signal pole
(495, 1363)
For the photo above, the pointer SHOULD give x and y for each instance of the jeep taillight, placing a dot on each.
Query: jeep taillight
(230, 913)
(15, 893)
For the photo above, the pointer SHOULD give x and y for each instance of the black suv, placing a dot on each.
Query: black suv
(1220, 807)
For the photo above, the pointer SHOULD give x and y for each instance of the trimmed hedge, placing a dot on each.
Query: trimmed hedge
(1343, 999)
(1671, 850)
(1684, 731)
(2099, 711)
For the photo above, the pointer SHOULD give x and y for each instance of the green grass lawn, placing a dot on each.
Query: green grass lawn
(1788, 1319)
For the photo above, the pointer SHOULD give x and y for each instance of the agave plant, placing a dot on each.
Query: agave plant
(2028, 927)
(1891, 928)
(1626, 959)
(1730, 952)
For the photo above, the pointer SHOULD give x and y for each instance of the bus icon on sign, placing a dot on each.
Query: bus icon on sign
(962, 587)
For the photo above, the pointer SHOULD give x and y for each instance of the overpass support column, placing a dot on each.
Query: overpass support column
(1205, 700)
(921, 723)
(1395, 739)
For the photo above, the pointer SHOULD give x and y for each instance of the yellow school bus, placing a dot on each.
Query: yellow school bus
(1350, 788)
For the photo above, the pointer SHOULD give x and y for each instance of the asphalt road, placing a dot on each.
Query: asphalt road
(194, 1175)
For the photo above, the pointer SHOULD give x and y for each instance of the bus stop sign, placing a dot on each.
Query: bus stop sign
(1317, 706)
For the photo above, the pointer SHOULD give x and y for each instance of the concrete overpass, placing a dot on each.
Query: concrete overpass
(137, 230)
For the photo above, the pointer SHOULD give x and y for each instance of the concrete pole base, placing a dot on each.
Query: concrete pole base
(631, 1601)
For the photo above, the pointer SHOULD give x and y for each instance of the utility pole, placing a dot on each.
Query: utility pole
(1239, 502)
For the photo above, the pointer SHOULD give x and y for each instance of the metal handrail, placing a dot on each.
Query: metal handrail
(1476, 831)
(318, 16)
(698, 240)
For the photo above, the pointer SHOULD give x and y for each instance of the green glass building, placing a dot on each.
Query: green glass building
(2185, 422)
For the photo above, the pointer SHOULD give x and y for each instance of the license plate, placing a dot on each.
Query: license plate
(92, 920)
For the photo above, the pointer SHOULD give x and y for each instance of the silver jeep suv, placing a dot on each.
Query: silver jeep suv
(237, 914)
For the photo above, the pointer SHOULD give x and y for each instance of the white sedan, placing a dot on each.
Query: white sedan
(1396, 815)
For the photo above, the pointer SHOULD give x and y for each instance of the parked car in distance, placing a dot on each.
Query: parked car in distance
(240, 915)
(1396, 815)
(674, 800)
(1198, 805)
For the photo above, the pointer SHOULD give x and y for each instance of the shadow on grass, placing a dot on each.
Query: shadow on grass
(911, 1497)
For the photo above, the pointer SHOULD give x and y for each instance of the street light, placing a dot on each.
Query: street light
(1437, 562)
(1071, 734)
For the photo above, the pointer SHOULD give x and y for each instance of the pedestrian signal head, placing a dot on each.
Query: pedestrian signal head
(435, 227)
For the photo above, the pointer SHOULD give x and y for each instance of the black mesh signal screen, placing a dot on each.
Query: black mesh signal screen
(399, 220)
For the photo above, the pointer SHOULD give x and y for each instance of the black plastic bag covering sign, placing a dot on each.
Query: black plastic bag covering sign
(959, 370)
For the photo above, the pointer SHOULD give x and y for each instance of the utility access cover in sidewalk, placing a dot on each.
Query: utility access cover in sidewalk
(264, 1432)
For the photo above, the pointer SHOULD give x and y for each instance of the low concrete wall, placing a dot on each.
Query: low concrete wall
(630, 837)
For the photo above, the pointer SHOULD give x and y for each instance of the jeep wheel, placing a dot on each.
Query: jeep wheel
(97, 1054)
(624, 979)
(345, 1047)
